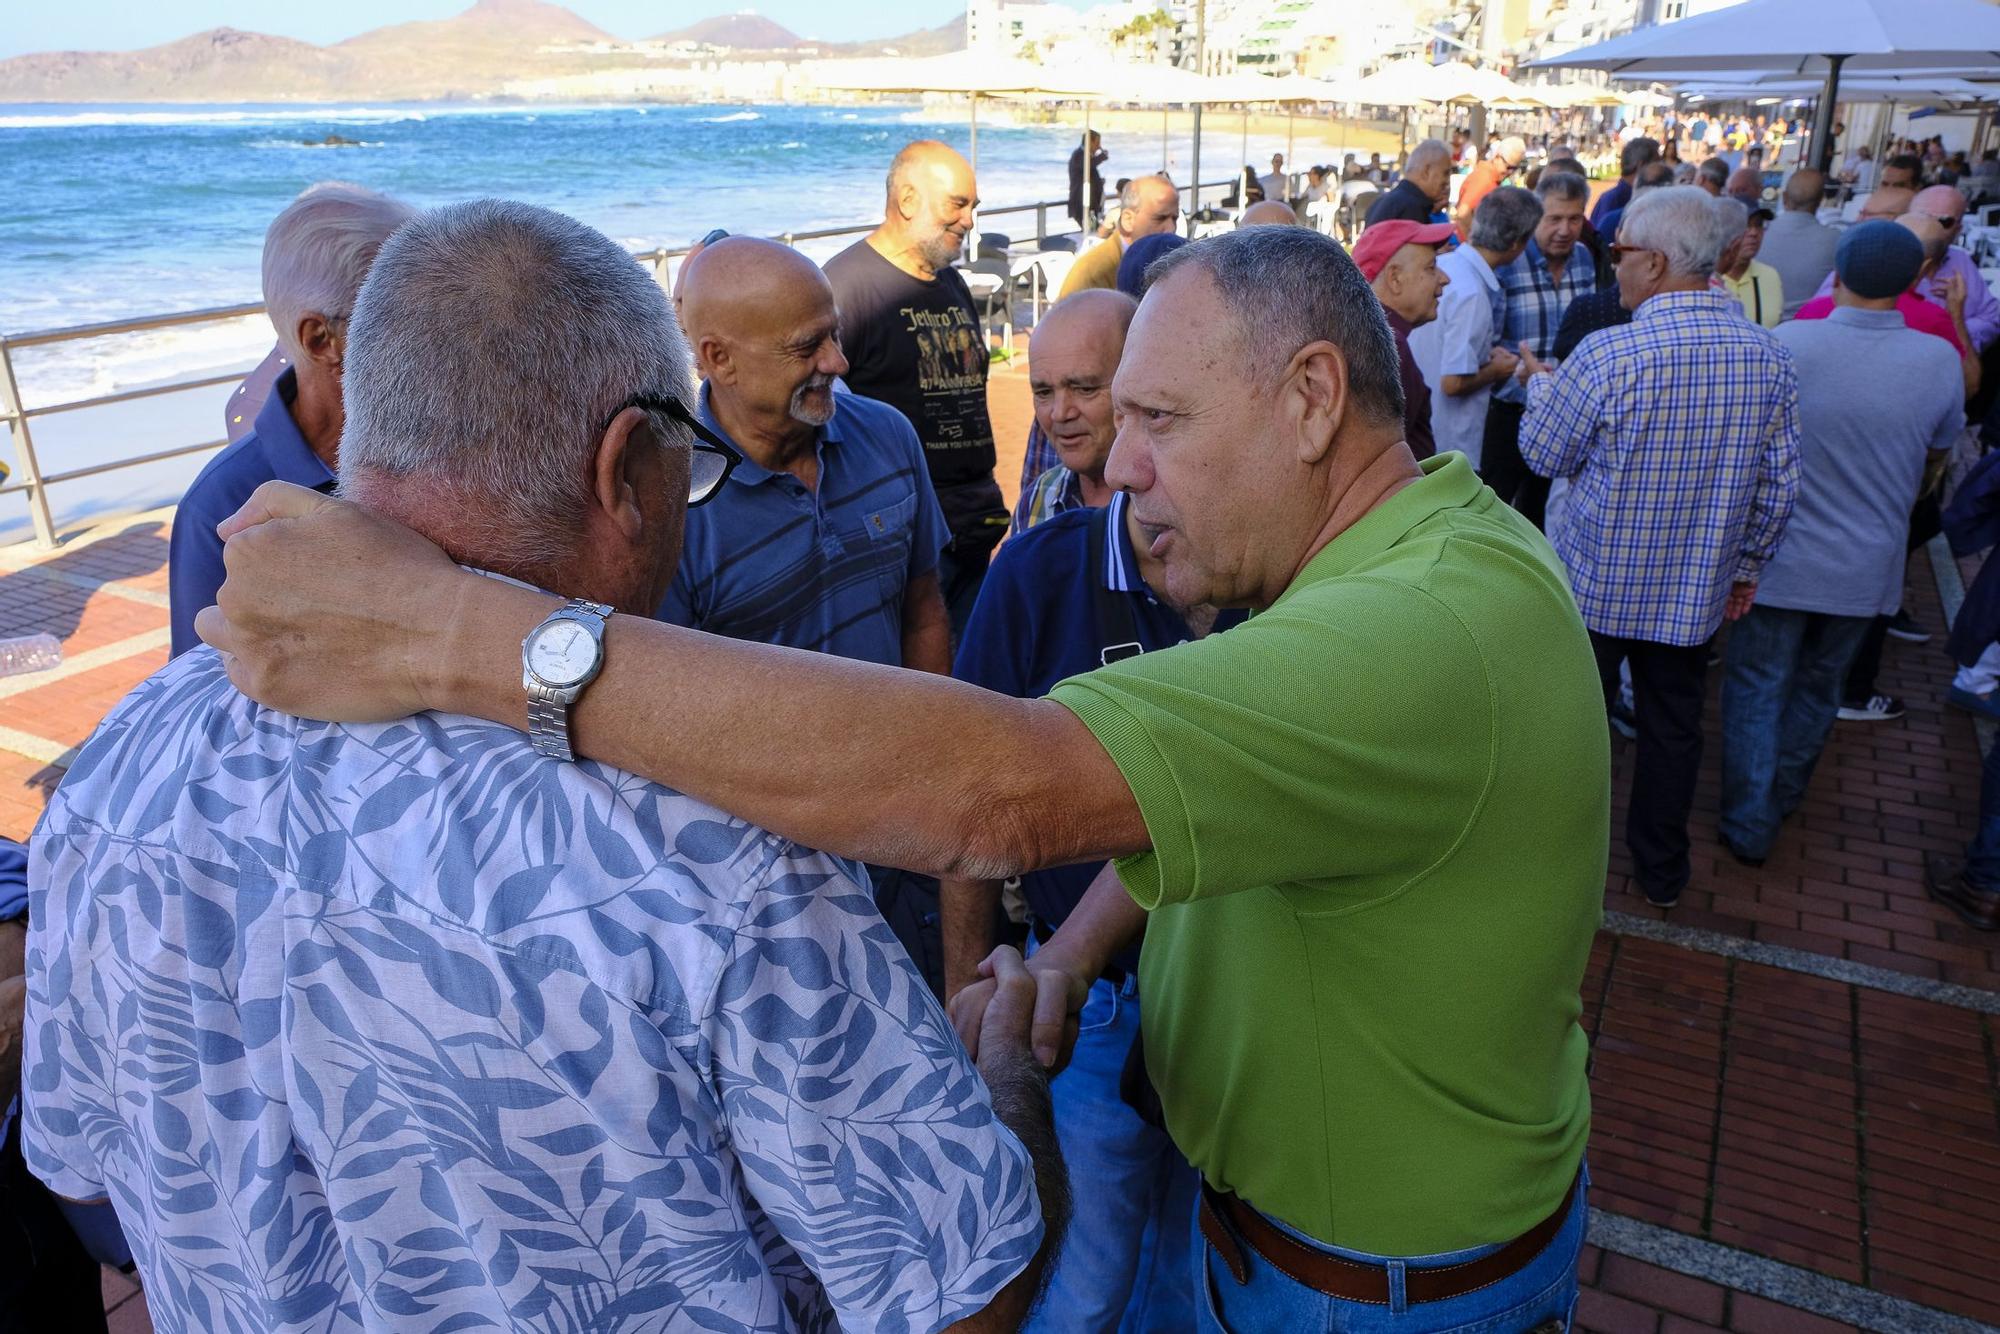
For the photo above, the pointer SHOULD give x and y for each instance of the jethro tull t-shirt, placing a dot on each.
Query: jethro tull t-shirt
(919, 347)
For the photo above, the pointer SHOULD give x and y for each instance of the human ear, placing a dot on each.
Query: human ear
(618, 472)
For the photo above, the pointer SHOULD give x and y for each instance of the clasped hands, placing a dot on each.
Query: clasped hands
(1017, 1003)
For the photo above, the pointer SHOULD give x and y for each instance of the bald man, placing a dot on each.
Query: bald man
(914, 340)
(1944, 205)
(1797, 244)
(827, 536)
(1071, 359)
(1268, 213)
(1147, 206)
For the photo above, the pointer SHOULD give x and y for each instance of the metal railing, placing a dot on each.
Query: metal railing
(35, 483)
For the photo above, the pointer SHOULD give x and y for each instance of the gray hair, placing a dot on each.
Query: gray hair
(1505, 218)
(1422, 155)
(1562, 185)
(1682, 222)
(1714, 169)
(1328, 300)
(1732, 219)
(490, 346)
(1684, 173)
(317, 253)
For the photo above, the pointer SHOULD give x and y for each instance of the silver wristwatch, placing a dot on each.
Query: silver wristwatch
(559, 658)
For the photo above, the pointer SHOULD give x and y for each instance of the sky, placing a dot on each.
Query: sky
(98, 25)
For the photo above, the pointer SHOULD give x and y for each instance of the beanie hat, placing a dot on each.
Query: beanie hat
(1878, 259)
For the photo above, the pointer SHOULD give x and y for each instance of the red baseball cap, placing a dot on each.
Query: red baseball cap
(1385, 238)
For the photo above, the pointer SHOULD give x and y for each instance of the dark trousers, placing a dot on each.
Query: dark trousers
(1780, 692)
(1926, 522)
(47, 1281)
(1502, 467)
(1668, 683)
(960, 575)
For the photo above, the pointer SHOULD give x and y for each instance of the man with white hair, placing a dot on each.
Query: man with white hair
(1460, 353)
(1425, 186)
(316, 256)
(1147, 206)
(1683, 478)
(423, 1025)
(913, 339)
(1502, 160)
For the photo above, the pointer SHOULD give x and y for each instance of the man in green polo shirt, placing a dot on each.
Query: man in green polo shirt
(1365, 832)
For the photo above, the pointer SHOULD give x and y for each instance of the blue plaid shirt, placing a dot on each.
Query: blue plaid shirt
(1681, 432)
(1535, 305)
(1041, 457)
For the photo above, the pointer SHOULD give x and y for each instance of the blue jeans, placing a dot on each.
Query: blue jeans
(1124, 1264)
(1540, 1292)
(1982, 858)
(1780, 692)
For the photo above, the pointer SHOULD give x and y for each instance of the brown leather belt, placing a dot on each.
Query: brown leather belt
(1353, 1280)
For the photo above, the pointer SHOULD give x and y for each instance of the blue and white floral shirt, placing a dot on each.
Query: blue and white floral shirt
(403, 1027)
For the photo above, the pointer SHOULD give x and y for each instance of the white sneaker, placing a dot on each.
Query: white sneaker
(1878, 709)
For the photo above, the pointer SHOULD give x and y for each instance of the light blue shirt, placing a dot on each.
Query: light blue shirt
(404, 1027)
(1458, 342)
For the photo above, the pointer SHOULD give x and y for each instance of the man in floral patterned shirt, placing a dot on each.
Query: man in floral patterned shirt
(406, 1027)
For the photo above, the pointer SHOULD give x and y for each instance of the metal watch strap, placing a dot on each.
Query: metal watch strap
(548, 710)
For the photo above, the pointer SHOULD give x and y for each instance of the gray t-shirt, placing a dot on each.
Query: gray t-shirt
(1874, 396)
(1800, 247)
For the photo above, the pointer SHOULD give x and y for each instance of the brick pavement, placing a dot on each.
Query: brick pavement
(1847, 1131)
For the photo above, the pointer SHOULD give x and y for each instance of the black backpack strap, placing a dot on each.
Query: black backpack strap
(1117, 626)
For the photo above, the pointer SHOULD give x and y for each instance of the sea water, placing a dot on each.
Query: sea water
(108, 212)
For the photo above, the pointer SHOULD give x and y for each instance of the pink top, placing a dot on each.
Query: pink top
(1917, 313)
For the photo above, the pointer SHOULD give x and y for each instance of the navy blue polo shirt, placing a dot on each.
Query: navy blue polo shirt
(1036, 624)
(826, 569)
(273, 451)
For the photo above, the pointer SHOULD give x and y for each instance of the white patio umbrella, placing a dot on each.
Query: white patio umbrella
(1826, 38)
(974, 74)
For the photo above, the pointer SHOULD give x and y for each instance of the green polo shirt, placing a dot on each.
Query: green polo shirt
(1380, 818)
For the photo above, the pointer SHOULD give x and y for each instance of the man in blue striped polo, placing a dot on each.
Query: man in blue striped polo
(826, 536)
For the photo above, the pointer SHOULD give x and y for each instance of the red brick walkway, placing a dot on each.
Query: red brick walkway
(1844, 1130)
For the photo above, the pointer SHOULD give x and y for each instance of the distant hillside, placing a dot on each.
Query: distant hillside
(743, 32)
(473, 54)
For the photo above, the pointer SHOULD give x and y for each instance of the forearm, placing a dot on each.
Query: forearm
(965, 922)
(893, 767)
(927, 631)
(1104, 923)
(1020, 1090)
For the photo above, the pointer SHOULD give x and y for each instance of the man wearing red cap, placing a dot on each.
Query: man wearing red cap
(1399, 260)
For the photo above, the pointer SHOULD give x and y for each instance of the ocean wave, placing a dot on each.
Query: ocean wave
(730, 119)
(792, 143)
(63, 372)
(331, 115)
(307, 143)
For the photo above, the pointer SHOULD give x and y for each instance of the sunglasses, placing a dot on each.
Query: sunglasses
(1619, 252)
(713, 459)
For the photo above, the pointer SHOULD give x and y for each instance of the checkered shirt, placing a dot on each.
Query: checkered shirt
(1535, 305)
(1680, 432)
(1040, 458)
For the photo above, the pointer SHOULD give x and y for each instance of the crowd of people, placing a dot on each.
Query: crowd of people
(622, 844)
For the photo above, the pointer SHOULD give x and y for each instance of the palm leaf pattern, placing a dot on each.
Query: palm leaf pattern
(403, 1027)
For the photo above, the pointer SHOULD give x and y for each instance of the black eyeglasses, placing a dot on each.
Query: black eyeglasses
(714, 458)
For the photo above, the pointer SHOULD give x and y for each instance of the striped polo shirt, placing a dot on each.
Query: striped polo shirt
(826, 569)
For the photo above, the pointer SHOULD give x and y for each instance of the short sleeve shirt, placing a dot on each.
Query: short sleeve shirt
(404, 1026)
(826, 568)
(1361, 980)
(918, 346)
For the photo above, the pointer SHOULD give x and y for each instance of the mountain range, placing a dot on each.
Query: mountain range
(473, 54)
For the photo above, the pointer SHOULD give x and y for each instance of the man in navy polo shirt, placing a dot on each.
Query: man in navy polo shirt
(316, 256)
(1076, 591)
(826, 536)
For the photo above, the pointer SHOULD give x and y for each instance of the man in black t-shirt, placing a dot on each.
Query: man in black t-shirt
(1425, 186)
(913, 340)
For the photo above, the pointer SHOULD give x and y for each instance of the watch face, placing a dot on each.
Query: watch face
(562, 653)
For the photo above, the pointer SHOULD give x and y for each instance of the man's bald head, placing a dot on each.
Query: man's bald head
(1429, 169)
(1072, 356)
(1936, 239)
(931, 194)
(1146, 206)
(1745, 184)
(1804, 191)
(1268, 213)
(1946, 203)
(1888, 203)
(765, 332)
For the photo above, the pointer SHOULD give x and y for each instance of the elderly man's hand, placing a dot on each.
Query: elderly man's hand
(1531, 365)
(984, 1014)
(1951, 289)
(326, 606)
(1503, 362)
(1742, 596)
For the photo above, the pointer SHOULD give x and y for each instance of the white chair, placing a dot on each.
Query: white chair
(1324, 215)
(1046, 271)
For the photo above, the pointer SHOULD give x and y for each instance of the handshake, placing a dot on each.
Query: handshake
(1018, 1005)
